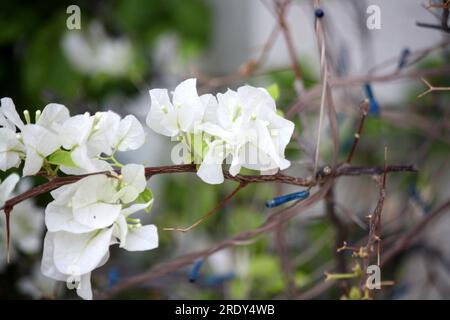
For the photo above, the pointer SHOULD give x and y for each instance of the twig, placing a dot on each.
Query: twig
(445, 4)
(364, 109)
(432, 26)
(375, 225)
(281, 11)
(431, 89)
(213, 211)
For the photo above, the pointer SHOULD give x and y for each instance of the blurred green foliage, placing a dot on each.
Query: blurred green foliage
(34, 69)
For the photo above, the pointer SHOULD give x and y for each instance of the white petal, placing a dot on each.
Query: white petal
(75, 131)
(33, 162)
(97, 215)
(9, 111)
(136, 207)
(103, 139)
(94, 189)
(48, 267)
(133, 177)
(85, 163)
(7, 187)
(121, 230)
(210, 170)
(84, 289)
(63, 194)
(162, 117)
(256, 100)
(9, 147)
(61, 218)
(130, 134)
(53, 115)
(188, 104)
(142, 238)
(80, 251)
(41, 139)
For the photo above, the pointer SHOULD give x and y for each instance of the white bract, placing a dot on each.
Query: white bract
(87, 217)
(179, 116)
(89, 137)
(26, 223)
(35, 141)
(240, 127)
(7, 187)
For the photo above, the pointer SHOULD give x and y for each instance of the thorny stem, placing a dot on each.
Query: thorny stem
(364, 109)
(184, 168)
(431, 89)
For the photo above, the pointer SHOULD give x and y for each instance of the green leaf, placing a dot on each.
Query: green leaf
(144, 197)
(62, 158)
(274, 91)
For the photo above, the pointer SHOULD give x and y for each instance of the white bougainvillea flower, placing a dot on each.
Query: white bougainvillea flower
(179, 116)
(9, 117)
(130, 134)
(90, 137)
(210, 170)
(102, 137)
(94, 203)
(53, 116)
(90, 215)
(133, 182)
(84, 251)
(11, 149)
(246, 130)
(39, 143)
(84, 206)
(137, 238)
(37, 140)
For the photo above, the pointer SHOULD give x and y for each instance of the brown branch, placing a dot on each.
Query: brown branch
(431, 89)
(151, 171)
(364, 109)
(303, 102)
(432, 26)
(375, 226)
(281, 12)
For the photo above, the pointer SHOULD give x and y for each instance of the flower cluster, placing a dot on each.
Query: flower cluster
(86, 217)
(240, 127)
(75, 145)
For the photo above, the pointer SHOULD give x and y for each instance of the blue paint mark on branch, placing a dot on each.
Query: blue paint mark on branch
(278, 201)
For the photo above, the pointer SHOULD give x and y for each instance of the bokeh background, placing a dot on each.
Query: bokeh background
(124, 48)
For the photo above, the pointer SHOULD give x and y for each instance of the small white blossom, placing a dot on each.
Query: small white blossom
(179, 116)
(11, 149)
(87, 217)
(89, 137)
